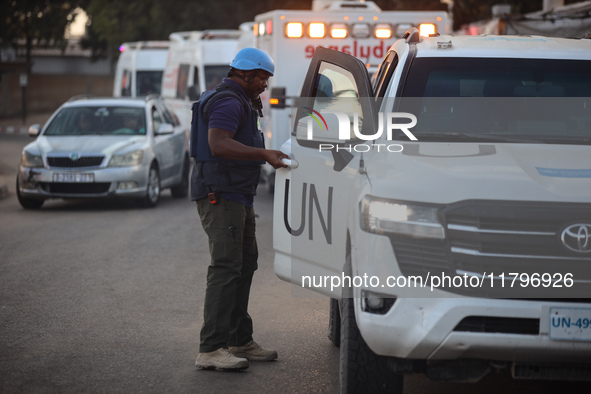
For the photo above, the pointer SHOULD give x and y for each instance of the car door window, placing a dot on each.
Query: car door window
(336, 91)
(167, 114)
(335, 103)
(156, 118)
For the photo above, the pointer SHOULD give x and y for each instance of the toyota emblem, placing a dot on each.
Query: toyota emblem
(577, 237)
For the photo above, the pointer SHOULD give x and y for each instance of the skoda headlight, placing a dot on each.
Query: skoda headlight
(30, 160)
(384, 216)
(128, 159)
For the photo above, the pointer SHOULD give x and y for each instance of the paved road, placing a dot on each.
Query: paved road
(104, 297)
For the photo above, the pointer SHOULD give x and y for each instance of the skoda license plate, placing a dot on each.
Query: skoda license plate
(73, 177)
(572, 324)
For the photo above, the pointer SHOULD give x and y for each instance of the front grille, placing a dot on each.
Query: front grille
(502, 325)
(67, 162)
(77, 188)
(492, 237)
(420, 256)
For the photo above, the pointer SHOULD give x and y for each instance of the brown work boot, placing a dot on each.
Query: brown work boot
(253, 351)
(220, 359)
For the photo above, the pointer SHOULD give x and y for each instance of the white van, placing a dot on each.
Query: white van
(197, 61)
(139, 68)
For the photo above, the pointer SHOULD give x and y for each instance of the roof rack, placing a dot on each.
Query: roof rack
(412, 36)
(80, 97)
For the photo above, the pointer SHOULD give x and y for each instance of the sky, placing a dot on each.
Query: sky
(78, 26)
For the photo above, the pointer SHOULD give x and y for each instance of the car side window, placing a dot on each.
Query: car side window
(167, 114)
(336, 90)
(156, 118)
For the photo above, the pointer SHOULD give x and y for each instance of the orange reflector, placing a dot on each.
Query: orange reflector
(294, 30)
(255, 29)
(273, 101)
(316, 30)
(426, 29)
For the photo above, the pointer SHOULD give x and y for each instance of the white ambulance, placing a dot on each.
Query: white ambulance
(197, 61)
(358, 28)
(139, 68)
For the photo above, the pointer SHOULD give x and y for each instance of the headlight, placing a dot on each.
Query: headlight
(129, 159)
(384, 216)
(30, 160)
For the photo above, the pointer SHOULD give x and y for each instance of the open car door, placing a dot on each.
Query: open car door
(312, 195)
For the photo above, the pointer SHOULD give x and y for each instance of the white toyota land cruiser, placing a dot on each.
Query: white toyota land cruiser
(445, 208)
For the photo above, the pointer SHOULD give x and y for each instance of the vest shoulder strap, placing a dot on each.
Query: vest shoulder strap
(222, 91)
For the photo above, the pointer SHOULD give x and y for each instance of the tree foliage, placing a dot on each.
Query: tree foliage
(43, 21)
(140, 20)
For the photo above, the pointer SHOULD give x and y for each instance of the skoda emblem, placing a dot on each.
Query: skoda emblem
(74, 156)
(577, 237)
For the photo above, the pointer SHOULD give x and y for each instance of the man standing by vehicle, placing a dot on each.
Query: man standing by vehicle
(229, 150)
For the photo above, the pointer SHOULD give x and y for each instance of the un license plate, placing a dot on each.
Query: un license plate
(572, 324)
(73, 177)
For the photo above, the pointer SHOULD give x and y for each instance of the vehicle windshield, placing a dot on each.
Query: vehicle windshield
(521, 100)
(99, 120)
(214, 75)
(149, 82)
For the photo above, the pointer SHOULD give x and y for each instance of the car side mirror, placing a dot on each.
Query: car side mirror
(165, 128)
(34, 130)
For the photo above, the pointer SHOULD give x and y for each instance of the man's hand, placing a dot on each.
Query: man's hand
(222, 144)
(273, 157)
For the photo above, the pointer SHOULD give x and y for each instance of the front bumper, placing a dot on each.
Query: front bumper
(39, 183)
(429, 329)
(430, 324)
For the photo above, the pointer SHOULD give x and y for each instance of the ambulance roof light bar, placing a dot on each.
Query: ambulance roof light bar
(339, 30)
(316, 30)
(383, 30)
(294, 30)
(427, 29)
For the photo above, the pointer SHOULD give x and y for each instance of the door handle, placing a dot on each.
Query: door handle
(291, 163)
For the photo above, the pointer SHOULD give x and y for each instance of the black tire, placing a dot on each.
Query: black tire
(334, 323)
(152, 190)
(361, 370)
(182, 189)
(28, 203)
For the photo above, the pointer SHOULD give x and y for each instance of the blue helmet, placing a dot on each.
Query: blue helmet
(253, 59)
